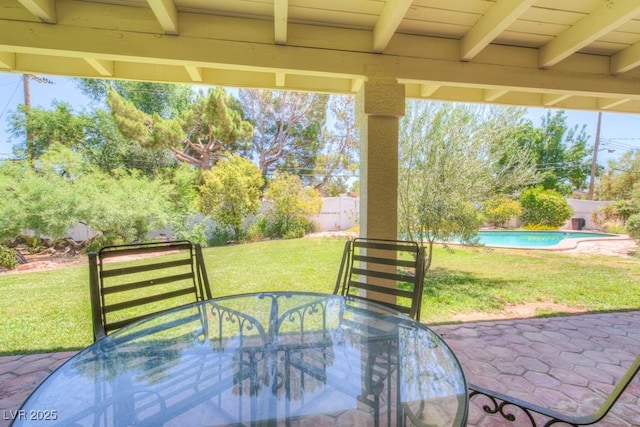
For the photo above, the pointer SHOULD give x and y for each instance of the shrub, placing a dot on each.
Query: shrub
(231, 192)
(615, 227)
(498, 210)
(606, 214)
(8, 258)
(544, 207)
(290, 204)
(633, 227)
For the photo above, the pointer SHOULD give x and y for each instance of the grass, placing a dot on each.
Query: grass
(49, 311)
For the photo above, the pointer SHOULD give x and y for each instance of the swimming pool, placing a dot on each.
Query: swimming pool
(537, 239)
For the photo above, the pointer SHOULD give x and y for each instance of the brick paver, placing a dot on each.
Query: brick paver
(568, 364)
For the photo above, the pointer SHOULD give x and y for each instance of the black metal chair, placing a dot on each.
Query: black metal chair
(510, 408)
(129, 282)
(391, 272)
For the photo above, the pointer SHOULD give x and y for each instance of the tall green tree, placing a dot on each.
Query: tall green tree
(287, 129)
(337, 159)
(212, 125)
(92, 134)
(165, 99)
(621, 178)
(447, 169)
(231, 192)
(46, 127)
(561, 153)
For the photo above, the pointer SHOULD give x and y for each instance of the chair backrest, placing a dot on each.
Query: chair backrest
(129, 282)
(390, 272)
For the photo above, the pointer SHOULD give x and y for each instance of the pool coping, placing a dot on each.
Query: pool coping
(564, 244)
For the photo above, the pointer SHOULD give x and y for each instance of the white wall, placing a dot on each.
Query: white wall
(583, 209)
(337, 213)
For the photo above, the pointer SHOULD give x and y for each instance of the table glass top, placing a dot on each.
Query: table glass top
(259, 359)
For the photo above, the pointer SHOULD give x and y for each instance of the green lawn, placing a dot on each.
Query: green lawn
(49, 311)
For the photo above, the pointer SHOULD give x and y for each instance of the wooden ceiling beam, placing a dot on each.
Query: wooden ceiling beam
(7, 60)
(166, 14)
(392, 14)
(104, 68)
(280, 20)
(601, 21)
(609, 103)
(43, 9)
(625, 60)
(551, 99)
(502, 14)
(195, 73)
(491, 95)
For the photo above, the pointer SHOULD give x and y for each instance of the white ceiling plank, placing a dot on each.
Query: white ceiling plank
(195, 73)
(105, 68)
(609, 103)
(7, 60)
(604, 19)
(551, 99)
(427, 90)
(388, 22)
(43, 9)
(280, 20)
(626, 59)
(166, 14)
(494, 22)
(280, 79)
(491, 95)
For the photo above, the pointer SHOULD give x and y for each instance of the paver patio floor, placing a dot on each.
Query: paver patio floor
(566, 363)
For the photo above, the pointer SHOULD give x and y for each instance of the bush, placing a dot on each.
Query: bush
(542, 207)
(606, 214)
(291, 203)
(633, 227)
(221, 237)
(614, 227)
(498, 210)
(8, 258)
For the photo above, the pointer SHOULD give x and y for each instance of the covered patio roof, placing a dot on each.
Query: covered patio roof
(573, 54)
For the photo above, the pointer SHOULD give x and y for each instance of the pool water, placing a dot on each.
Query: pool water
(534, 238)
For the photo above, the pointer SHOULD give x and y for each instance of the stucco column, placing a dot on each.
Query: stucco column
(379, 104)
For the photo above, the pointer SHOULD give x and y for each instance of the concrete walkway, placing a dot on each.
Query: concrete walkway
(566, 363)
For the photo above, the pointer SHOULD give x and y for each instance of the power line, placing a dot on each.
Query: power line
(9, 101)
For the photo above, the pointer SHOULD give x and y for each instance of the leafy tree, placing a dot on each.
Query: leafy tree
(447, 169)
(287, 129)
(561, 154)
(46, 127)
(231, 192)
(546, 209)
(621, 178)
(338, 156)
(166, 100)
(290, 203)
(199, 136)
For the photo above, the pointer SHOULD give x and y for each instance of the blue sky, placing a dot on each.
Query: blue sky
(618, 131)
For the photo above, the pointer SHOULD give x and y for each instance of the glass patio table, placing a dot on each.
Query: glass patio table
(265, 359)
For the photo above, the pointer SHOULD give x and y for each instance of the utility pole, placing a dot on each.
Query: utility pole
(594, 162)
(27, 110)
